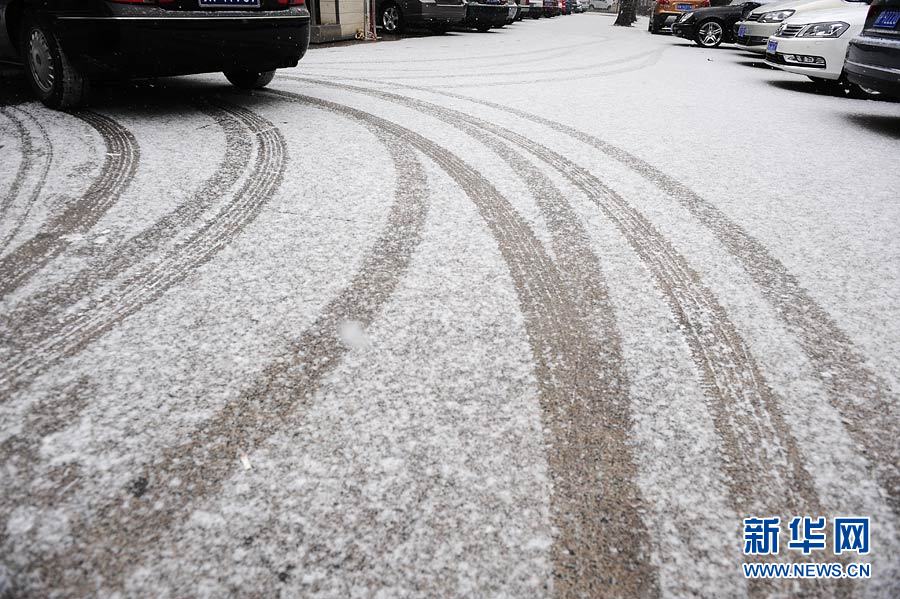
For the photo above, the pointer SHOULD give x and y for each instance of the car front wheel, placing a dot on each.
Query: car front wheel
(245, 79)
(710, 34)
(55, 81)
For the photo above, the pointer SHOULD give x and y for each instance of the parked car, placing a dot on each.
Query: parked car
(551, 8)
(605, 5)
(873, 58)
(814, 43)
(65, 45)
(663, 13)
(485, 14)
(580, 6)
(753, 32)
(709, 27)
(395, 16)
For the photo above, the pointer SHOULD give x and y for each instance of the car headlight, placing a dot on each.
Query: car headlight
(776, 16)
(685, 17)
(830, 29)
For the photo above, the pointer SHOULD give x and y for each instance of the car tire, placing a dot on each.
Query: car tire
(483, 28)
(54, 80)
(391, 18)
(243, 79)
(653, 28)
(710, 34)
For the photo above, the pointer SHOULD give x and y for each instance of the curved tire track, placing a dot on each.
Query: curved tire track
(122, 156)
(149, 283)
(764, 466)
(862, 397)
(117, 535)
(43, 317)
(29, 153)
(602, 548)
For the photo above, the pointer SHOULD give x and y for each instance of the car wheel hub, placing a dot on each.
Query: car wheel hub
(40, 61)
(710, 33)
(390, 18)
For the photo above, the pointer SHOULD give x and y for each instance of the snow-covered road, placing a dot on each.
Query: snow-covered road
(545, 311)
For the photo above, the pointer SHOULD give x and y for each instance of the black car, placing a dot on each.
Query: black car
(394, 16)
(486, 14)
(65, 44)
(873, 58)
(709, 27)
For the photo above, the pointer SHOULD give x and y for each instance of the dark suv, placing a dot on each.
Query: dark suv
(438, 15)
(65, 44)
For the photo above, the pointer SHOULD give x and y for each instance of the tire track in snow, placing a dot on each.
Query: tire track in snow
(30, 152)
(763, 464)
(116, 536)
(602, 546)
(122, 156)
(614, 61)
(41, 332)
(862, 397)
(152, 281)
(490, 57)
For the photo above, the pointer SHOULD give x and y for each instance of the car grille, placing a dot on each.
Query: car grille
(790, 30)
(754, 17)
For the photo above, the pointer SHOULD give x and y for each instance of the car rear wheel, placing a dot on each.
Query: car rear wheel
(710, 34)
(391, 18)
(653, 27)
(250, 79)
(55, 81)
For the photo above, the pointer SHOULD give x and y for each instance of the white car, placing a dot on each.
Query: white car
(754, 31)
(602, 4)
(814, 43)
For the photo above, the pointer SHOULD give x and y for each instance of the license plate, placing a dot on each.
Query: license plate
(228, 3)
(887, 20)
(683, 6)
(742, 31)
(771, 46)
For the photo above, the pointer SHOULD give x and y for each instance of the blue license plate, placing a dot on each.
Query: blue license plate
(887, 20)
(742, 31)
(228, 3)
(684, 6)
(772, 46)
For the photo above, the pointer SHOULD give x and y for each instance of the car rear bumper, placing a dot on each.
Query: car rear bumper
(483, 15)
(874, 63)
(756, 35)
(832, 51)
(427, 13)
(132, 46)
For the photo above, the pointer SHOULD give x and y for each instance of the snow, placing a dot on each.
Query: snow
(419, 465)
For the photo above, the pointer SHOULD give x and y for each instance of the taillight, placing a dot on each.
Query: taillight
(663, 2)
(704, 3)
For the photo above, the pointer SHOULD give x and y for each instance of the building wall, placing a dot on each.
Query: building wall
(336, 19)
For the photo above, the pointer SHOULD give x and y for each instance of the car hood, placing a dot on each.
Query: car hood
(719, 11)
(799, 5)
(854, 14)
